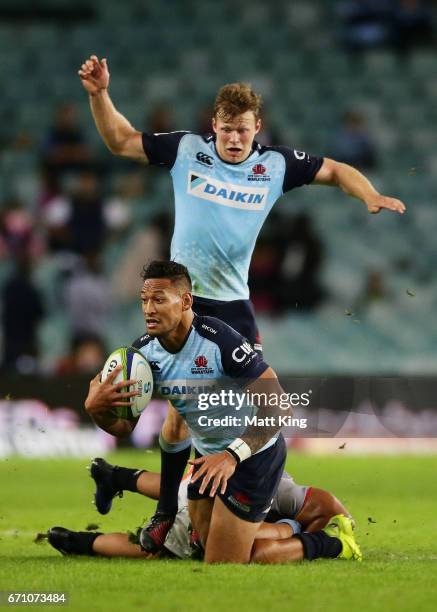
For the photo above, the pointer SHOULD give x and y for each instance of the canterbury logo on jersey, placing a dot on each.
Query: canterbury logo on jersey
(227, 194)
(205, 159)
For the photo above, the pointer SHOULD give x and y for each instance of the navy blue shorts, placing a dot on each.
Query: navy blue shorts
(253, 485)
(239, 314)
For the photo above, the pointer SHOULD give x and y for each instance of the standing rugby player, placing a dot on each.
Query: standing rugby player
(224, 186)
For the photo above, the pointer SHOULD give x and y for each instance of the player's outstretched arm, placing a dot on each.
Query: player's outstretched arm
(355, 184)
(116, 131)
(103, 396)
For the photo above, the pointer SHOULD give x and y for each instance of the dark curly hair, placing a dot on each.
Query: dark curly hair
(172, 270)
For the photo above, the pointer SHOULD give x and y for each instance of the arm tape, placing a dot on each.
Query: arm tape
(240, 448)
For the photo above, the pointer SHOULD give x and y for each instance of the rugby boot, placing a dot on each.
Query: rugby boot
(102, 473)
(69, 542)
(152, 536)
(341, 527)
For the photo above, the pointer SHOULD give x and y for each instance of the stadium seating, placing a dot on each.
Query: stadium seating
(180, 53)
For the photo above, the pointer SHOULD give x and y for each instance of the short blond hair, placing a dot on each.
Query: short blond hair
(236, 98)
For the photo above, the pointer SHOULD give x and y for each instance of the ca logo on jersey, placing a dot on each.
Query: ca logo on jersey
(227, 194)
(300, 155)
(241, 352)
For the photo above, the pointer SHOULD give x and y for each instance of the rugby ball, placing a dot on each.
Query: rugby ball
(136, 367)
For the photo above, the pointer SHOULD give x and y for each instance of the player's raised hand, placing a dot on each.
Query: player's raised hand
(102, 396)
(94, 74)
(378, 202)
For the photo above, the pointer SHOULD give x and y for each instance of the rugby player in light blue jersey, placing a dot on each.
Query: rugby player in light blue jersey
(235, 480)
(224, 186)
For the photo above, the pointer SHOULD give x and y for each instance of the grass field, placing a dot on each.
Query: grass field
(393, 500)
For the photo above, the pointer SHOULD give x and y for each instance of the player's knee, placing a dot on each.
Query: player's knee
(224, 557)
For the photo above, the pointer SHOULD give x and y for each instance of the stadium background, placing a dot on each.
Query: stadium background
(340, 294)
(337, 291)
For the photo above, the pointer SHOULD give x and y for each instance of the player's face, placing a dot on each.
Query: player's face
(163, 304)
(235, 137)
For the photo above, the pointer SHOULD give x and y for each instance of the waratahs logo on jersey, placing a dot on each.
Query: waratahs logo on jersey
(259, 169)
(201, 363)
(227, 194)
(258, 174)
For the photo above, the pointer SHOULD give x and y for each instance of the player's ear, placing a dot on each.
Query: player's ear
(214, 125)
(258, 125)
(187, 301)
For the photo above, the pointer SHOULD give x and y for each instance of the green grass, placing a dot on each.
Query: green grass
(398, 571)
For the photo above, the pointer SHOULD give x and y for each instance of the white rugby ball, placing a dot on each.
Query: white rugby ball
(136, 367)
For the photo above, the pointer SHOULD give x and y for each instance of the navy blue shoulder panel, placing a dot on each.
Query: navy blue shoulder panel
(300, 168)
(142, 341)
(162, 149)
(238, 357)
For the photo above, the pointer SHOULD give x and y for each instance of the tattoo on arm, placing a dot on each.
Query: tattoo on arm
(269, 413)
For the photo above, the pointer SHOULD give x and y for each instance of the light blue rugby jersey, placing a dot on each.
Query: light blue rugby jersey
(214, 356)
(221, 207)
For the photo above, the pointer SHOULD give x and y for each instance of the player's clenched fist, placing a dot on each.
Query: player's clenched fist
(94, 75)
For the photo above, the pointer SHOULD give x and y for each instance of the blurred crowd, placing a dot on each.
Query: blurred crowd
(401, 25)
(80, 211)
(94, 220)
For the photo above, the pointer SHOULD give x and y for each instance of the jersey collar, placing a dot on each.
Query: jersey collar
(183, 343)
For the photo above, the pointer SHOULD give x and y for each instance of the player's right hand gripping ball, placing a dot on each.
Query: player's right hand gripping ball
(135, 367)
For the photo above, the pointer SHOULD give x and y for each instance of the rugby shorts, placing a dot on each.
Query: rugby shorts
(250, 490)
